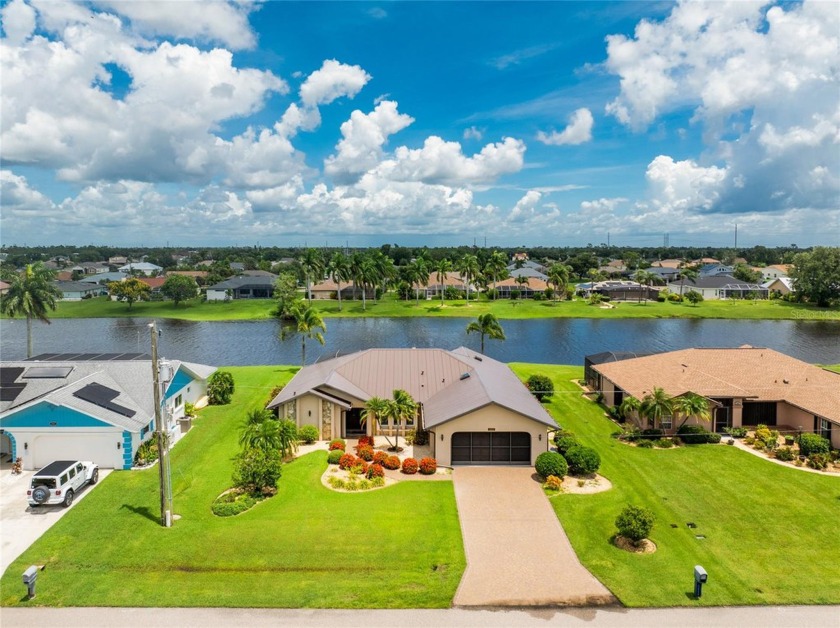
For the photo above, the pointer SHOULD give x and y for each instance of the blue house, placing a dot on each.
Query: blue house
(97, 407)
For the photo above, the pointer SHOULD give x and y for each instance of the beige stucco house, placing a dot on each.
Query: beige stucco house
(475, 409)
(746, 385)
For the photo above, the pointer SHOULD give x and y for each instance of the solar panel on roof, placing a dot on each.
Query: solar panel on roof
(47, 372)
(10, 392)
(41, 356)
(101, 396)
(109, 356)
(86, 357)
(8, 374)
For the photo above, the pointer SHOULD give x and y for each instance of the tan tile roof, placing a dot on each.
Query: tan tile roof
(754, 373)
(667, 263)
(328, 285)
(534, 283)
(189, 273)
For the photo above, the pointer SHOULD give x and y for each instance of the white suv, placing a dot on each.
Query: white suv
(58, 482)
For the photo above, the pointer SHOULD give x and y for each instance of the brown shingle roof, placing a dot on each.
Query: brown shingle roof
(754, 373)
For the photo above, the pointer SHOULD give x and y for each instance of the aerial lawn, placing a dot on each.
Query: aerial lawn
(306, 547)
(392, 307)
(770, 532)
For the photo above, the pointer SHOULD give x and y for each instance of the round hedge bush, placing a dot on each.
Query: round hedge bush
(379, 457)
(428, 466)
(346, 461)
(582, 460)
(551, 463)
(338, 443)
(635, 523)
(565, 443)
(375, 471)
(308, 434)
(409, 466)
(540, 386)
(392, 463)
(366, 453)
(335, 456)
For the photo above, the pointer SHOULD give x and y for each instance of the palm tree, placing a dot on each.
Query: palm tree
(339, 269)
(496, 268)
(689, 272)
(469, 269)
(442, 269)
(375, 407)
(418, 274)
(487, 325)
(385, 271)
(306, 321)
(312, 265)
(521, 280)
(644, 278)
(364, 274)
(558, 276)
(656, 405)
(401, 408)
(692, 405)
(629, 405)
(31, 293)
(260, 431)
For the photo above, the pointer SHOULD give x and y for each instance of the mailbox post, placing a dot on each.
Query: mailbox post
(29, 578)
(700, 577)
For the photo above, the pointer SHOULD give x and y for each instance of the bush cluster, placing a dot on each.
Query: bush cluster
(645, 444)
(818, 461)
(582, 460)
(220, 388)
(736, 432)
(232, 503)
(697, 435)
(392, 463)
(256, 469)
(366, 453)
(551, 463)
(338, 443)
(409, 466)
(565, 441)
(664, 443)
(813, 444)
(428, 466)
(307, 434)
(364, 441)
(635, 523)
(334, 456)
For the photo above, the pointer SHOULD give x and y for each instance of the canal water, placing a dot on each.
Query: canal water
(551, 341)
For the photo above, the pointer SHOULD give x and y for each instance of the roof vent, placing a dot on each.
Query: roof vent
(785, 381)
(478, 358)
(464, 376)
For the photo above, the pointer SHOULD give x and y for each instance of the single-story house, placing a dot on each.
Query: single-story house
(710, 270)
(452, 280)
(154, 283)
(475, 409)
(527, 271)
(782, 285)
(77, 290)
(667, 263)
(117, 260)
(526, 264)
(97, 407)
(104, 279)
(774, 271)
(746, 386)
(200, 276)
(666, 274)
(619, 290)
(508, 286)
(242, 287)
(719, 287)
(146, 269)
(328, 289)
(91, 268)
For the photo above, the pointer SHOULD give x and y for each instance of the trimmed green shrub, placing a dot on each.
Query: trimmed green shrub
(540, 386)
(818, 461)
(256, 469)
(645, 444)
(736, 432)
(338, 443)
(220, 387)
(565, 443)
(635, 523)
(308, 434)
(551, 463)
(813, 444)
(582, 460)
(335, 456)
(233, 503)
(785, 453)
(651, 433)
(697, 435)
(664, 443)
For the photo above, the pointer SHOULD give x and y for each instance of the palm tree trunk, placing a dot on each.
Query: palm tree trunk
(482, 342)
(308, 290)
(364, 297)
(303, 350)
(28, 336)
(338, 283)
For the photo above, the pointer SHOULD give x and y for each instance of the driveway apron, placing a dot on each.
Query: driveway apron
(517, 552)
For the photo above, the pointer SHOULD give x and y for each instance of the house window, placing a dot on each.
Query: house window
(178, 400)
(666, 422)
(825, 428)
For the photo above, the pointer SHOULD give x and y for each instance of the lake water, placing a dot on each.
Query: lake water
(552, 341)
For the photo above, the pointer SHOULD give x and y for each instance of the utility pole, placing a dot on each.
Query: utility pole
(165, 514)
(736, 236)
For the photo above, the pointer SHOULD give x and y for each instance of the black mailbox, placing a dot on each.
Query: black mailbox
(700, 578)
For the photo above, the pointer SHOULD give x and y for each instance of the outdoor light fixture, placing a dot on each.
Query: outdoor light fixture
(26, 445)
(310, 412)
(441, 436)
(539, 436)
(118, 445)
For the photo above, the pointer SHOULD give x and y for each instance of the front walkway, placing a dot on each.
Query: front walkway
(517, 551)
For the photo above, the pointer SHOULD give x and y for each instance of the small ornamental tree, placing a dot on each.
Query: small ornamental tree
(256, 469)
(541, 386)
(693, 297)
(220, 388)
(635, 523)
(129, 290)
(582, 460)
(179, 288)
(551, 463)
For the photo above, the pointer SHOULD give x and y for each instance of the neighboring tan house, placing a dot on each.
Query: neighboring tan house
(97, 407)
(451, 280)
(508, 286)
(91, 268)
(667, 263)
(719, 287)
(775, 271)
(746, 386)
(475, 409)
(328, 289)
(617, 290)
(77, 290)
(154, 283)
(200, 276)
(117, 260)
(243, 287)
(782, 285)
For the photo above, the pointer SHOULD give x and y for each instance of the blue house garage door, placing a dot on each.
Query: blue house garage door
(491, 448)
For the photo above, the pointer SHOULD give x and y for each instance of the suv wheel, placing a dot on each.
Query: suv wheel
(40, 494)
(68, 498)
(94, 478)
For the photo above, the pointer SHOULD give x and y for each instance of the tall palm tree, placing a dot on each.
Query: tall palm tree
(496, 268)
(442, 269)
(487, 325)
(312, 265)
(420, 274)
(385, 271)
(401, 408)
(263, 434)
(375, 408)
(656, 405)
(692, 405)
(690, 273)
(306, 321)
(469, 269)
(364, 274)
(558, 276)
(521, 280)
(339, 269)
(31, 293)
(644, 278)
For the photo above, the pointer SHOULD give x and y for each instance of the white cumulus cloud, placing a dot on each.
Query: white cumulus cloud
(333, 80)
(578, 131)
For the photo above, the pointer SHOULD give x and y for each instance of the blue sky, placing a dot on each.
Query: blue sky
(548, 123)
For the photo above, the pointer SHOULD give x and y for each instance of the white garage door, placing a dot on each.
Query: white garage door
(101, 448)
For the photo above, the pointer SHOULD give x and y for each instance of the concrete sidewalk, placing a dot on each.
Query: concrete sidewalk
(517, 551)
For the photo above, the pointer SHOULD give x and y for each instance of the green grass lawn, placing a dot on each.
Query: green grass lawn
(256, 309)
(771, 532)
(306, 547)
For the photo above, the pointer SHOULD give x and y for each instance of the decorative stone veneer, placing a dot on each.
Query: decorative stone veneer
(326, 420)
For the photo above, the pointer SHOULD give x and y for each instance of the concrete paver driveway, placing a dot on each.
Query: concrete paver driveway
(517, 551)
(20, 524)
